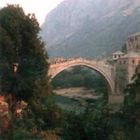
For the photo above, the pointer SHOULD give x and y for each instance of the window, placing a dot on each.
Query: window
(131, 39)
(133, 61)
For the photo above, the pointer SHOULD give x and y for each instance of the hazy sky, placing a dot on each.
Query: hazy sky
(39, 7)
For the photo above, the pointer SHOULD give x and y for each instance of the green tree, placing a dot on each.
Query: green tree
(132, 91)
(91, 124)
(20, 44)
(131, 109)
(22, 48)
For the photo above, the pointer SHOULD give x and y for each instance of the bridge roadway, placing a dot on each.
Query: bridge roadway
(102, 67)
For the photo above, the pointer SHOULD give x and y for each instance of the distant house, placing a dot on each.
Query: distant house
(117, 55)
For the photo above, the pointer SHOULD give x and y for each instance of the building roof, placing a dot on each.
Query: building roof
(118, 53)
(131, 55)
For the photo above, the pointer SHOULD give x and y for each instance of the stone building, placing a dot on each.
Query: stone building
(130, 60)
(117, 55)
(133, 43)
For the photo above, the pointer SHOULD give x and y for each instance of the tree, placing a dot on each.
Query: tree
(131, 109)
(23, 64)
(89, 125)
(21, 46)
(132, 95)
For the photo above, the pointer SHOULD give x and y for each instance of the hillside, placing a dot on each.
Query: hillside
(90, 28)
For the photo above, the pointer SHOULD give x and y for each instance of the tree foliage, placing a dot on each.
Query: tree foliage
(91, 124)
(22, 48)
(132, 91)
(21, 44)
(131, 109)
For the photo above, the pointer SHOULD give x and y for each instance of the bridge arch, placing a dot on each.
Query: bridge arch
(55, 69)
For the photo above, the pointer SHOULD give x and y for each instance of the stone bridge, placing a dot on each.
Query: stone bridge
(104, 69)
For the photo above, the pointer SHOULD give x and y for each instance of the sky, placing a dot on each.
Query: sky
(39, 7)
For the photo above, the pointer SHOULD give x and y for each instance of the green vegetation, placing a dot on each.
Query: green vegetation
(23, 73)
(21, 46)
(87, 126)
(132, 91)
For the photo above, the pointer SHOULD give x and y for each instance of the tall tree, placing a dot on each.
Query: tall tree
(23, 65)
(21, 48)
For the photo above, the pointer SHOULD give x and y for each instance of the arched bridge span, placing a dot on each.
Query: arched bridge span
(100, 66)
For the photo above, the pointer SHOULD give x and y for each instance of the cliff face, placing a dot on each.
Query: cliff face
(90, 28)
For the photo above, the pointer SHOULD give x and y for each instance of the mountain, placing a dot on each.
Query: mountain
(90, 28)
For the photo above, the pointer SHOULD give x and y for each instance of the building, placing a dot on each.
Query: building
(131, 59)
(117, 55)
(133, 43)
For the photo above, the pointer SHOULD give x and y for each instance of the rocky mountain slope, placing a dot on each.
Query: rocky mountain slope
(90, 28)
